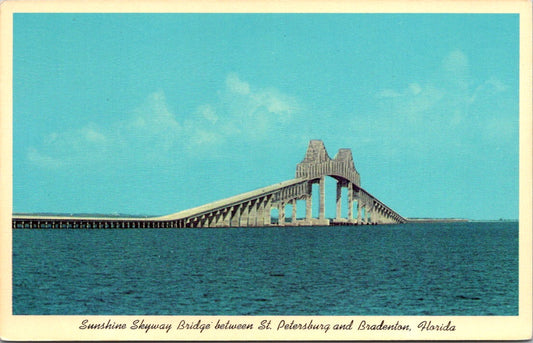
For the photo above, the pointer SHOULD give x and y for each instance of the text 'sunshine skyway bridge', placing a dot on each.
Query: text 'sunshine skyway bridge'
(253, 209)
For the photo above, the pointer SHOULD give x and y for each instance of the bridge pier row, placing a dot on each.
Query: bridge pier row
(254, 208)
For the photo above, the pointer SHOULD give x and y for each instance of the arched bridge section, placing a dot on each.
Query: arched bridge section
(317, 164)
(253, 209)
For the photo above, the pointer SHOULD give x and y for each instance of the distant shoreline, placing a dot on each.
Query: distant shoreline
(456, 220)
(437, 220)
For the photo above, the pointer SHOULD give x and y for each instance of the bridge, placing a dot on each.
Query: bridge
(253, 209)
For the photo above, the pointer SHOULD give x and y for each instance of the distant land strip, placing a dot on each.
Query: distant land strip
(437, 220)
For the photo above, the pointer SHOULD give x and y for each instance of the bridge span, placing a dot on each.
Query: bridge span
(253, 209)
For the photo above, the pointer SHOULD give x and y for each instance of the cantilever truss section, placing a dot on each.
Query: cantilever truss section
(253, 209)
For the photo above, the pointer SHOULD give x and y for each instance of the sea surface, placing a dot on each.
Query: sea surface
(409, 269)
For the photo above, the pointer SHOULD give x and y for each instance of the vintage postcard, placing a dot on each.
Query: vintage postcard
(265, 171)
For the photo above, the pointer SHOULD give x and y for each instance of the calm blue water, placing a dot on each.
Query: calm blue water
(411, 269)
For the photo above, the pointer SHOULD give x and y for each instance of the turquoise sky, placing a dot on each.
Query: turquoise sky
(156, 113)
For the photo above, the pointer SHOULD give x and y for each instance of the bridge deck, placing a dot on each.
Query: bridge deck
(254, 208)
(231, 201)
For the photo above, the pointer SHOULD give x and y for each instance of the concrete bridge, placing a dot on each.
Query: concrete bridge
(253, 209)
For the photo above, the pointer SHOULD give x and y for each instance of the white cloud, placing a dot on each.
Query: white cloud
(415, 88)
(243, 101)
(51, 138)
(490, 87)
(154, 132)
(155, 116)
(151, 128)
(203, 138)
(236, 85)
(208, 113)
(93, 136)
(388, 93)
(412, 101)
(456, 63)
(454, 72)
(44, 161)
(275, 102)
(496, 85)
(152, 124)
(447, 95)
(250, 112)
(450, 106)
(76, 146)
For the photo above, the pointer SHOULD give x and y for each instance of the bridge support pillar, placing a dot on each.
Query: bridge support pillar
(350, 202)
(281, 213)
(209, 222)
(226, 217)
(293, 215)
(308, 208)
(260, 213)
(322, 205)
(267, 204)
(244, 214)
(359, 219)
(234, 219)
(252, 213)
(338, 201)
(221, 218)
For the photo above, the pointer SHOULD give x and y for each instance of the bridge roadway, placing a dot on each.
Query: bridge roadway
(253, 209)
